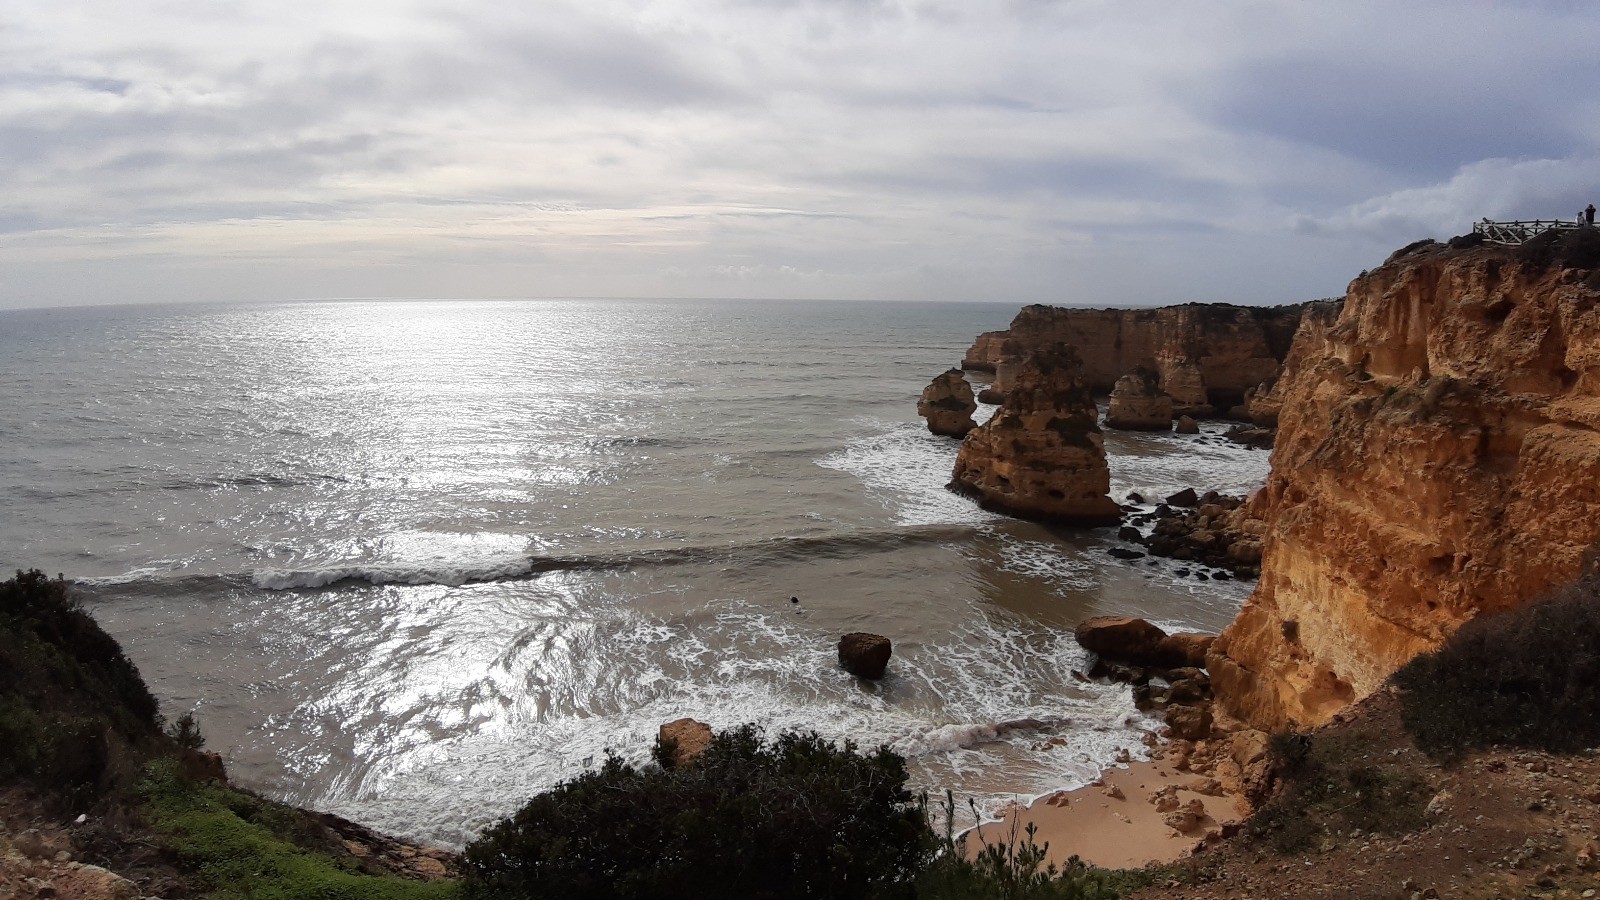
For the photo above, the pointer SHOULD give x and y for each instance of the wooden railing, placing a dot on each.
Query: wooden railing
(1518, 232)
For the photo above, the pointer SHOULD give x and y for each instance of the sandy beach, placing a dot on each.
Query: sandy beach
(1122, 820)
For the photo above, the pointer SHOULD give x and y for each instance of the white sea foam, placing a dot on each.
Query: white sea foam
(906, 468)
(958, 711)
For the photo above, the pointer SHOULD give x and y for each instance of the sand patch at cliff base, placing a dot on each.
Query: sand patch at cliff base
(1101, 829)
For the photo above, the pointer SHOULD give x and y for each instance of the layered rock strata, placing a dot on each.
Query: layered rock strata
(1041, 456)
(1139, 404)
(1207, 355)
(1437, 459)
(948, 405)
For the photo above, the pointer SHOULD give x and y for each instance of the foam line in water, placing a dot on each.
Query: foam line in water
(906, 469)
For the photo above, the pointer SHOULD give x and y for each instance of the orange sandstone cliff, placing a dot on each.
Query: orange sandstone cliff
(1207, 354)
(1041, 455)
(1438, 458)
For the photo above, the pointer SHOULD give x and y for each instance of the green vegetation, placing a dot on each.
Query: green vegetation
(796, 816)
(1527, 678)
(793, 817)
(1014, 869)
(1331, 785)
(75, 717)
(80, 731)
(242, 846)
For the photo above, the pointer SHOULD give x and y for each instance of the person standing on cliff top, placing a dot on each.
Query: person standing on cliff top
(1588, 215)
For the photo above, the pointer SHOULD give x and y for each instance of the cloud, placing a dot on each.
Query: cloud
(1498, 189)
(1016, 150)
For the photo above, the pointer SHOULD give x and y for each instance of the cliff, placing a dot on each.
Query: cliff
(1041, 455)
(1207, 354)
(1438, 458)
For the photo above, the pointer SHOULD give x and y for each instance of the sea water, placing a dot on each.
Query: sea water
(412, 562)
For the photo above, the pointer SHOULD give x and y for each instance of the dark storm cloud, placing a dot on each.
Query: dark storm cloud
(1419, 124)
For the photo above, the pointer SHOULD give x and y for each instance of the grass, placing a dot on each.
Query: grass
(241, 846)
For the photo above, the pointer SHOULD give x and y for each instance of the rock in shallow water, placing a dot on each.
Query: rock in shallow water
(689, 739)
(865, 655)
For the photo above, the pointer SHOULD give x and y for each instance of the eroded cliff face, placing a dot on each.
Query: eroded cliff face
(1438, 458)
(1139, 404)
(1207, 354)
(1041, 455)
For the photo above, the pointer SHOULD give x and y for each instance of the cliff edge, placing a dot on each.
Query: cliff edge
(1208, 355)
(1438, 458)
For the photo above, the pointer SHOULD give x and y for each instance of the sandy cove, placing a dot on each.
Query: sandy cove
(1121, 820)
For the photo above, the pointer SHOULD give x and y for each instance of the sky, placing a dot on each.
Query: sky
(1104, 152)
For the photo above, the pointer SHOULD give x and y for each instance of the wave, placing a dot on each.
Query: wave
(457, 573)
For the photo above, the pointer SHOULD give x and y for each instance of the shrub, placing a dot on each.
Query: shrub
(1330, 784)
(794, 817)
(73, 709)
(1526, 678)
(58, 646)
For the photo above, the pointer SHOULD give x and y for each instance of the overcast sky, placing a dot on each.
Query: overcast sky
(1066, 151)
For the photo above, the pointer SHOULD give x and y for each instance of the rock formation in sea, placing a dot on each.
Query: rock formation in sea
(1208, 355)
(1041, 456)
(1139, 404)
(1438, 459)
(948, 405)
(865, 655)
(686, 739)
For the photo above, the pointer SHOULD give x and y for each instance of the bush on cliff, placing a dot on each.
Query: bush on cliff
(793, 817)
(1526, 678)
(75, 716)
(1332, 784)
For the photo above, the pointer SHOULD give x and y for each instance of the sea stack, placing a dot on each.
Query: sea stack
(865, 655)
(1139, 404)
(1042, 455)
(948, 405)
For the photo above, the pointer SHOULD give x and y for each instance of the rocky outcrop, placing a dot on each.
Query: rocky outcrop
(1253, 436)
(683, 740)
(1041, 456)
(865, 655)
(1136, 642)
(985, 351)
(1139, 404)
(948, 405)
(1207, 355)
(1219, 531)
(1437, 459)
(1187, 425)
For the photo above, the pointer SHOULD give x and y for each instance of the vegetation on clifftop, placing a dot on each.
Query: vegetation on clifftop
(81, 733)
(1526, 678)
(75, 716)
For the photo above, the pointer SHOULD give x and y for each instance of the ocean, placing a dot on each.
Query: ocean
(412, 562)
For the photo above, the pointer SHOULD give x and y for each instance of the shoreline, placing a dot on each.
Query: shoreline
(1136, 813)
